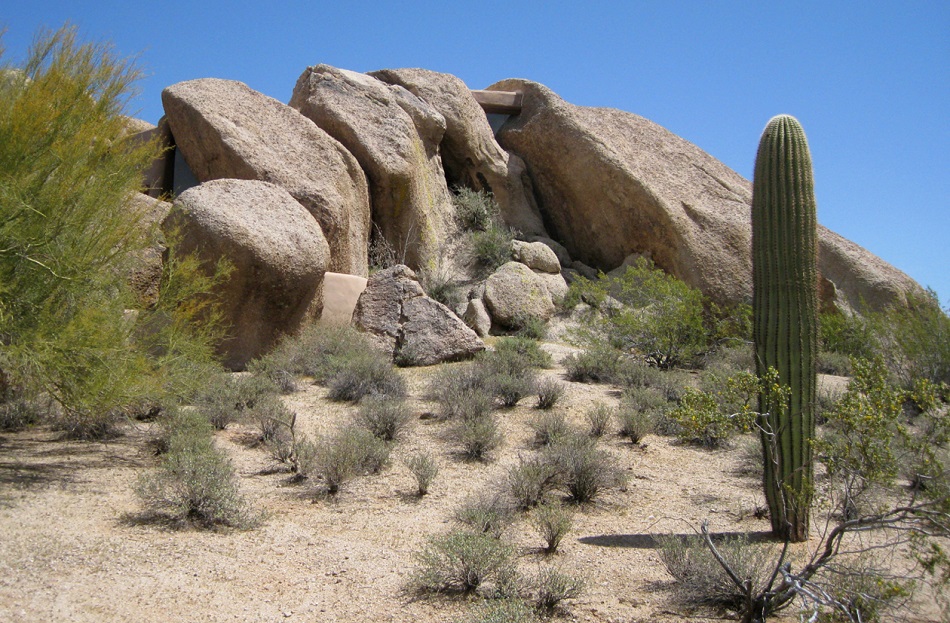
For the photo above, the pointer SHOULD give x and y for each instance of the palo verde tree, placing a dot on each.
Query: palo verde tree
(785, 309)
(67, 232)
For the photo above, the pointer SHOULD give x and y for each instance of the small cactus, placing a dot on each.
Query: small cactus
(785, 277)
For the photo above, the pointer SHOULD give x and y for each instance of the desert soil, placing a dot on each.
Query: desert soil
(73, 547)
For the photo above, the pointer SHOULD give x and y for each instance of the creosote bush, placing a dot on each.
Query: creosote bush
(462, 562)
(195, 481)
(552, 522)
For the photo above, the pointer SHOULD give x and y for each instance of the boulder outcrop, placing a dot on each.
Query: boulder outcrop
(395, 137)
(470, 154)
(415, 329)
(610, 184)
(514, 293)
(225, 129)
(277, 252)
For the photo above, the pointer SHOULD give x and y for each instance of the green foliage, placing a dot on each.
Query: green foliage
(486, 513)
(521, 351)
(549, 428)
(350, 452)
(552, 522)
(474, 210)
(850, 335)
(702, 418)
(531, 327)
(366, 374)
(492, 248)
(463, 561)
(915, 341)
(387, 418)
(69, 238)
(550, 392)
(660, 317)
(583, 469)
(195, 481)
(598, 419)
(552, 586)
(227, 397)
(785, 304)
(599, 363)
(637, 413)
(424, 469)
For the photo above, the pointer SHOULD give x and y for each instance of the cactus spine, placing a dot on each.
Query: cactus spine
(785, 273)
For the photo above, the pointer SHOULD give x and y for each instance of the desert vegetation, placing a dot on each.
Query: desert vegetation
(514, 487)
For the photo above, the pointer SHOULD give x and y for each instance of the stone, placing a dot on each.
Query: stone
(562, 255)
(555, 284)
(536, 256)
(470, 154)
(277, 252)
(145, 272)
(515, 292)
(476, 317)
(610, 184)
(224, 129)
(413, 328)
(584, 270)
(395, 137)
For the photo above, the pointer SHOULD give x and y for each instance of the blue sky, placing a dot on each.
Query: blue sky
(868, 80)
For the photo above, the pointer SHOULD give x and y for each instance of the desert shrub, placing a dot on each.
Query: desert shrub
(509, 372)
(552, 586)
(195, 480)
(463, 561)
(730, 325)
(364, 375)
(831, 362)
(635, 373)
(511, 389)
(318, 351)
(552, 522)
(276, 425)
(486, 513)
(492, 247)
(598, 419)
(550, 392)
(637, 413)
(387, 418)
(510, 610)
(700, 420)
(531, 480)
(474, 210)
(549, 427)
(522, 350)
(531, 327)
(228, 396)
(462, 393)
(915, 341)
(349, 452)
(438, 283)
(18, 414)
(597, 364)
(424, 469)
(850, 335)
(584, 470)
(863, 590)
(700, 578)
(478, 437)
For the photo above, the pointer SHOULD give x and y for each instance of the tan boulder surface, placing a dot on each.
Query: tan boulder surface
(225, 129)
(415, 329)
(610, 184)
(514, 293)
(470, 154)
(145, 273)
(395, 137)
(277, 251)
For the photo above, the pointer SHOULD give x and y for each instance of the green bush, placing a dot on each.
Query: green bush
(491, 248)
(462, 393)
(550, 392)
(227, 396)
(525, 351)
(848, 335)
(486, 513)
(366, 374)
(915, 342)
(478, 437)
(700, 420)
(597, 364)
(463, 561)
(531, 328)
(502, 611)
(598, 419)
(195, 481)
(474, 210)
(424, 469)
(531, 480)
(387, 418)
(637, 413)
(552, 522)
(348, 453)
(318, 351)
(584, 470)
(550, 428)
(552, 586)
(830, 362)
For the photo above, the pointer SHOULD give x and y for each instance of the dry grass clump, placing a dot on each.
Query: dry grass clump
(424, 469)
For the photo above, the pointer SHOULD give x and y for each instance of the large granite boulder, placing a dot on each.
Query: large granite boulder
(470, 154)
(415, 329)
(277, 252)
(395, 137)
(610, 184)
(225, 129)
(514, 293)
(145, 271)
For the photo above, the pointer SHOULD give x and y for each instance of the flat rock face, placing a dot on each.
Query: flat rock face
(225, 129)
(415, 329)
(514, 292)
(611, 184)
(278, 253)
(470, 154)
(395, 137)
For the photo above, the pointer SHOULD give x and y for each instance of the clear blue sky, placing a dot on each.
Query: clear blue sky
(868, 80)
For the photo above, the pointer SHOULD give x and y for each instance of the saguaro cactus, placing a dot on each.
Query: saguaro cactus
(785, 291)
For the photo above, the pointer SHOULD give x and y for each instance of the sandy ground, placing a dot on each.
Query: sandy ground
(72, 547)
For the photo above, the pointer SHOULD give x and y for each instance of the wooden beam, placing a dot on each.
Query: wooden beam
(503, 102)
